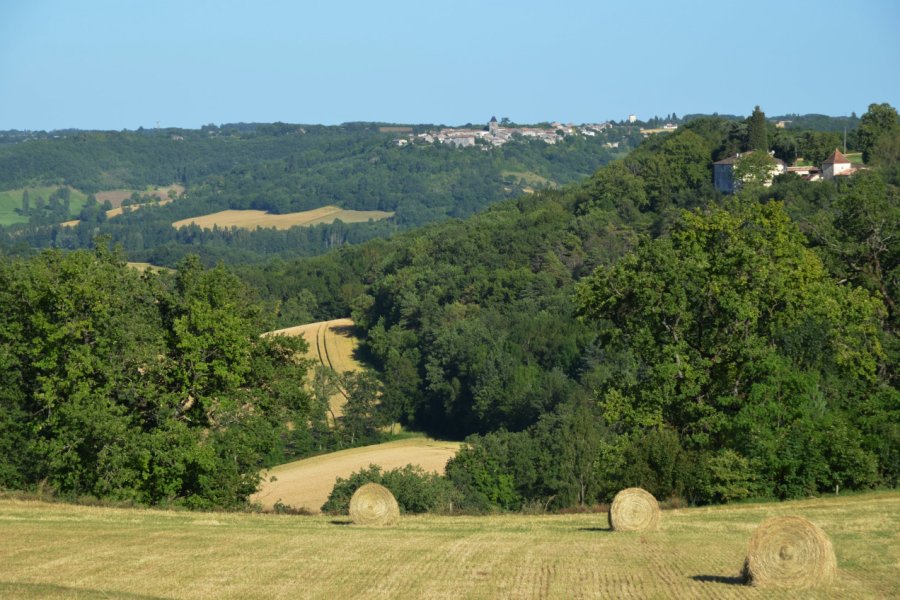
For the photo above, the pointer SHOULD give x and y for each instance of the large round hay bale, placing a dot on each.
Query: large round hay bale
(789, 552)
(634, 509)
(374, 504)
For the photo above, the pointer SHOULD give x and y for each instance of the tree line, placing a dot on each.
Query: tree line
(641, 329)
(277, 168)
(635, 328)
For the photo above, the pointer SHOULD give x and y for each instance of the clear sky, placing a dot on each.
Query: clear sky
(123, 64)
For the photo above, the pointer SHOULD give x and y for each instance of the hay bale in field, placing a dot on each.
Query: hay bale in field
(634, 509)
(789, 552)
(374, 504)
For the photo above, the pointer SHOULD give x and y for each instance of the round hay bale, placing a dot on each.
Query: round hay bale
(634, 509)
(374, 504)
(789, 552)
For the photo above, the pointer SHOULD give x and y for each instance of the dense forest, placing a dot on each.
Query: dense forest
(640, 329)
(633, 328)
(280, 168)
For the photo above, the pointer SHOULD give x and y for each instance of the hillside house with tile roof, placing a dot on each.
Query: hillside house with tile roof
(837, 165)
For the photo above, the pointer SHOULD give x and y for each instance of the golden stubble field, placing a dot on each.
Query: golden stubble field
(252, 219)
(332, 344)
(307, 483)
(60, 551)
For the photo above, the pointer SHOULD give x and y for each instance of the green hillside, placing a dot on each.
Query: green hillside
(283, 169)
(635, 328)
(11, 204)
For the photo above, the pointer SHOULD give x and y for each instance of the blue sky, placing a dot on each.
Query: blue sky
(123, 64)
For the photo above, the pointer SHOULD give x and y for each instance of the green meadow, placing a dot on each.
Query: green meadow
(11, 202)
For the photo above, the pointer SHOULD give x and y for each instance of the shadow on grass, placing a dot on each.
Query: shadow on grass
(603, 529)
(49, 590)
(336, 522)
(736, 580)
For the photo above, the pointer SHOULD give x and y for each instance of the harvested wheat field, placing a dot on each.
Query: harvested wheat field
(52, 551)
(307, 483)
(332, 344)
(252, 219)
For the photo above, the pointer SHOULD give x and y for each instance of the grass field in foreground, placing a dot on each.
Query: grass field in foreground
(59, 551)
(308, 482)
(252, 219)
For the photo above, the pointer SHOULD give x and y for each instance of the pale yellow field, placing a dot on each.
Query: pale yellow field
(331, 344)
(115, 212)
(145, 266)
(307, 483)
(252, 219)
(53, 551)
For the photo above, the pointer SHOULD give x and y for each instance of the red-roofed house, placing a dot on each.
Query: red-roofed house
(836, 165)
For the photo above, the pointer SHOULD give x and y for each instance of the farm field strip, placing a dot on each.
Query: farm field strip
(252, 219)
(116, 197)
(331, 344)
(62, 551)
(308, 482)
(340, 340)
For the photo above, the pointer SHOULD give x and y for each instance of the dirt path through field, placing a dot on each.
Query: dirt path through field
(307, 483)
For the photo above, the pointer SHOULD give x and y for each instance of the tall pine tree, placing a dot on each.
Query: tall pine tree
(758, 137)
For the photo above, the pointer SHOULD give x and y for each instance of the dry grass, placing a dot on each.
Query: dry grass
(332, 344)
(54, 551)
(252, 219)
(307, 483)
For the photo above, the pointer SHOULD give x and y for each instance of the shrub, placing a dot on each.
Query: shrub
(416, 490)
(657, 462)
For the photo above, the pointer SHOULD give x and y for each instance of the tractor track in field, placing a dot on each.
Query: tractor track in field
(324, 356)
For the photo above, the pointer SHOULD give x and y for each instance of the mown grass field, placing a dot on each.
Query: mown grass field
(332, 344)
(307, 483)
(53, 551)
(252, 219)
(10, 200)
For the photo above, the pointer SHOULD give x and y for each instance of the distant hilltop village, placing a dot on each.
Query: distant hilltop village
(496, 135)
